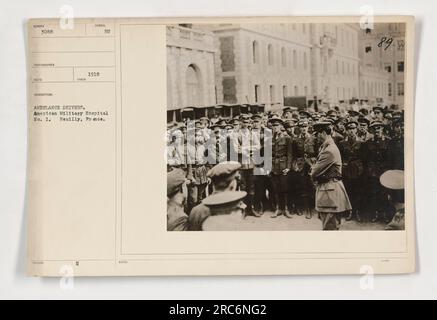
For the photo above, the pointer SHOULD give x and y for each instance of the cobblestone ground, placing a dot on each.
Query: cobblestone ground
(282, 223)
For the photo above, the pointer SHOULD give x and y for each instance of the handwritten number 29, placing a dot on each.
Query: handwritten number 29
(385, 41)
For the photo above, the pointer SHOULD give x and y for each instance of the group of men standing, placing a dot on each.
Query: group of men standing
(289, 162)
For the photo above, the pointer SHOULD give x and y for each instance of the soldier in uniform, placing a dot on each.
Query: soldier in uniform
(176, 217)
(227, 211)
(397, 144)
(304, 153)
(378, 114)
(363, 129)
(350, 150)
(246, 146)
(261, 136)
(223, 177)
(376, 159)
(199, 165)
(281, 165)
(331, 196)
(181, 154)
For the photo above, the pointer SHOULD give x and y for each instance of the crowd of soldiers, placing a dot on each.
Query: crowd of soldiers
(269, 156)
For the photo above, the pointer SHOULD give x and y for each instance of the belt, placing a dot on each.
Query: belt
(326, 180)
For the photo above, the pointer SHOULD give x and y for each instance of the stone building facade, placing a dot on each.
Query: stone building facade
(190, 67)
(383, 48)
(334, 62)
(264, 63)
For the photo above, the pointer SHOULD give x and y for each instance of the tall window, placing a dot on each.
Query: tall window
(305, 61)
(387, 67)
(257, 93)
(304, 29)
(389, 90)
(283, 57)
(270, 54)
(400, 88)
(305, 90)
(336, 66)
(255, 51)
(272, 94)
(296, 90)
(284, 91)
(294, 59)
(400, 66)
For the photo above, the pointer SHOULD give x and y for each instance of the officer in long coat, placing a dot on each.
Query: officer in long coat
(331, 196)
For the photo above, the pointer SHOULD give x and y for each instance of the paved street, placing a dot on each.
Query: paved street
(283, 223)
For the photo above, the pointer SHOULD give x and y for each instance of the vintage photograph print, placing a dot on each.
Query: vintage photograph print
(285, 126)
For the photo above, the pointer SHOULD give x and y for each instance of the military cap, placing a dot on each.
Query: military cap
(397, 114)
(224, 170)
(330, 120)
(256, 117)
(363, 120)
(353, 113)
(175, 179)
(275, 118)
(388, 115)
(331, 112)
(244, 116)
(225, 202)
(377, 108)
(204, 118)
(376, 123)
(393, 179)
(364, 111)
(304, 113)
(302, 123)
(215, 126)
(229, 126)
(289, 123)
(222, 122)
(235, 121)
(319, 126)
(351, 124)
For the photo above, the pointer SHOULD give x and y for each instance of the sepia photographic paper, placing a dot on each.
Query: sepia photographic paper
(221, 146)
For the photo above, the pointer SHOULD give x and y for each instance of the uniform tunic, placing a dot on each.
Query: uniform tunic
(331, 194)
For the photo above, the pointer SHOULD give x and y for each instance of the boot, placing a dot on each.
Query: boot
(359, 219)
(376, 217)
(308, 213)
(350, 216)
(276, 214)
(249, 204)
(288, 214)
(257, 213)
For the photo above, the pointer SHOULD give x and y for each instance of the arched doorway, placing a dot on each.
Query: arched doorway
(194, 86)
